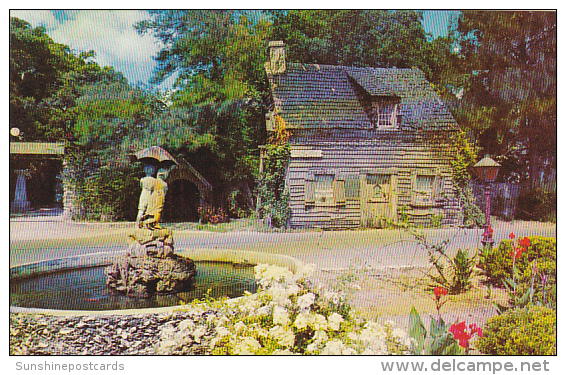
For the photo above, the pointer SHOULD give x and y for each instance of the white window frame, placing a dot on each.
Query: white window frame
(425, 198)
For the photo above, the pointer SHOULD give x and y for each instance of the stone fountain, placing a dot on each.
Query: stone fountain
(150, 265)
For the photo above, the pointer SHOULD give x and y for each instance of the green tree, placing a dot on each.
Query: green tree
(359, 38)
(508, 67)
(46, 79)
(216, 119)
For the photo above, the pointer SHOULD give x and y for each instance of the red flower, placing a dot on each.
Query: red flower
(512, 236)
(517, 254)
(476, 329)
(439, 292)
(490, 230)
(461, 333)
(525, 242)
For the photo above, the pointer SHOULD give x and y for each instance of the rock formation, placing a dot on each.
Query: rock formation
(150, 266)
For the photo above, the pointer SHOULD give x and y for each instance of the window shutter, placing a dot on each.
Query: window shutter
(438, 187)
(413, 187)
(339, 190)
(309, 189)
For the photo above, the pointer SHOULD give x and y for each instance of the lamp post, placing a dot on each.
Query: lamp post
(487, 169)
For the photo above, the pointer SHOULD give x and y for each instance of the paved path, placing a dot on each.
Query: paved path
(379, 260)
(36, 237)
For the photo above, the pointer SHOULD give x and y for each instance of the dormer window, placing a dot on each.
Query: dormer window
(382, 108)
(384, 113)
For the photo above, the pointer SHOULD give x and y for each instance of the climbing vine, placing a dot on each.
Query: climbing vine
(272, 190)
(462, 162)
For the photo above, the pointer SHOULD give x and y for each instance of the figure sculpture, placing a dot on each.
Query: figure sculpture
(152, 215)
(150, 265)
(152, 198)
(147, 184)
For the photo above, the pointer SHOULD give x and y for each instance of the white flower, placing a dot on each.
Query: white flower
(334, 347)
(293, 289)
(302, 320)
(240, 326)
(349, 351)
(222, 331)
(267, 274)
(306, 300)
(331, 296)
(282, 336)
(320, 337)
(312, 347)
(318, 322)
(334, 321)
(353, 336)
(264, 310)
(246, 346)
(280, 316)
(279, 295)
(282, 352)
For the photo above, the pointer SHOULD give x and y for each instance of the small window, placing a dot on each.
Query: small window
(380, 187)
(324, 189)
(384, 113)
(425, 184)
(427, 188)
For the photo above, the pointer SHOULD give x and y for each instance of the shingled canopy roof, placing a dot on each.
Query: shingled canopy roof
(309, 96)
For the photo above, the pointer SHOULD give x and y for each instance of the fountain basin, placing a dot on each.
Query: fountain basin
(85, 268)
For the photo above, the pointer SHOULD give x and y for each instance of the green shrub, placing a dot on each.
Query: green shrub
(463, 268)
(527, 331)
(497, 264)
(543, 281)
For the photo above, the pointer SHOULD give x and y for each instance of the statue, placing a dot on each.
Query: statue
(147, 184)
(150, 265)
(156, 200)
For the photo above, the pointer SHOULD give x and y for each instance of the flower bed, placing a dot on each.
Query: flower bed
(288, 315)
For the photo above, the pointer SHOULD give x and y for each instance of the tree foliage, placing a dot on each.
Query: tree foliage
(497, 71)
(373, 38)
(46, 79)
(508, 70)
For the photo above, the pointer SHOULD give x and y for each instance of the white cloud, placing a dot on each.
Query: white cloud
(37, 17)
(111, 34)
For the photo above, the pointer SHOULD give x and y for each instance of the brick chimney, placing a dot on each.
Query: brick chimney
(277, 57)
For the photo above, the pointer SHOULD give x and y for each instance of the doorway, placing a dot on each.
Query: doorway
(378, 199)
(181, 202)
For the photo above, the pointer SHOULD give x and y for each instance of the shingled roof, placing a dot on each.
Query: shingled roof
(310, 96)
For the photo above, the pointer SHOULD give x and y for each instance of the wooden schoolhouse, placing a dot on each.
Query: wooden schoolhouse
(369, 146)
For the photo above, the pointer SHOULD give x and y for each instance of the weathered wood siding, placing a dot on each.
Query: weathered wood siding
(353, 156)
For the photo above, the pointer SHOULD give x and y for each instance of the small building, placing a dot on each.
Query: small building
(369, 146)
(35, 169)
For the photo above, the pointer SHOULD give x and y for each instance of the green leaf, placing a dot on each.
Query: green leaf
(440, 344)
(437, 328)
(416, 330)
(452, 349)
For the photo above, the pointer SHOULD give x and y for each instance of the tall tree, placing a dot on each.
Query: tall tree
(357, 38)
(217, 58)
(509, 97)
(46, 79)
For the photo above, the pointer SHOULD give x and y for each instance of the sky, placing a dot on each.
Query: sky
(111, 34)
